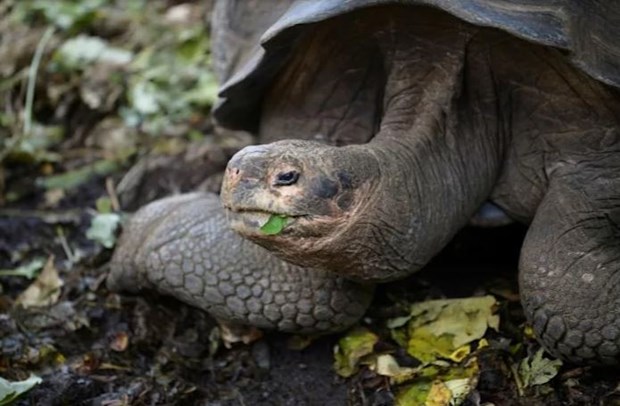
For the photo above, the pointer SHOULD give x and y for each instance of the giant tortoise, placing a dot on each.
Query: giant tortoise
(384, 126)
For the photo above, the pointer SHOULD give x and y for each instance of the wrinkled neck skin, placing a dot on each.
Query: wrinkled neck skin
(436, 167)
(431, 164)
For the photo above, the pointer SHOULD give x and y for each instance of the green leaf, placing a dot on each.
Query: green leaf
(65, 14)
(9, 391)
(104, 205)
(29, 270)
(145, 97)
(82, 50)
(103, 229)
(274, 225)
(537, 370)
(351, 348)
(36, 146)
(415, 394)
(74, 178)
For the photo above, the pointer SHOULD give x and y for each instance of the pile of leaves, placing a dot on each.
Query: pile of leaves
(444, 339)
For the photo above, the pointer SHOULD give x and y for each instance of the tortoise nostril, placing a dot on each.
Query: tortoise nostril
(237, 171)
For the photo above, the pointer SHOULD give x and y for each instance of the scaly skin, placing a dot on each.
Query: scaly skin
(182, 246)
(465, 114)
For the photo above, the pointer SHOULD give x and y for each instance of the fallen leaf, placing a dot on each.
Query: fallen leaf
(460, 353)
(443, 328)
(103, 229)
(112, 367)
(66, 14)
(537, 370)
(104, 205)
(74, 178)
(79, 51)
(438, 395)
(9, 391)
(387, 365)
(459, 389)
(274, 225)
(29, 270)
(427, 347)
(45, 290)
(351, 348)
(299, 342)
(414, 394)
(119, 342)
(53, 197)
(441, 383)
(233, 333)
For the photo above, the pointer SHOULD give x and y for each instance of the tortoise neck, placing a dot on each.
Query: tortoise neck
(439, 156)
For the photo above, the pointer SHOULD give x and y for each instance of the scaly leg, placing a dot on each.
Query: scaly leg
(570, 265)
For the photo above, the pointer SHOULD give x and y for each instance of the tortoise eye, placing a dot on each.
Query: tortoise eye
(286, 178)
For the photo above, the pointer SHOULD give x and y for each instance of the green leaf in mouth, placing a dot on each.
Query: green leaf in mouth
(274, 225)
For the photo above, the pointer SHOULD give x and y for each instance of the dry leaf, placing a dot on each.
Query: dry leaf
(119, 342)
(45, 290)
(351, 348)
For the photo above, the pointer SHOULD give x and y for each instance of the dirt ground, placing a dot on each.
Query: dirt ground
(170, 355)
(91, 142)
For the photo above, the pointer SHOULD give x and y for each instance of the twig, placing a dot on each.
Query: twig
(32, 78)
(517, 378)
(109, 185)
(51, 217)
(60, 232)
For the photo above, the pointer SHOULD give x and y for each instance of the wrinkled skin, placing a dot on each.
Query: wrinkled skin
(405, 120)
(453, 115)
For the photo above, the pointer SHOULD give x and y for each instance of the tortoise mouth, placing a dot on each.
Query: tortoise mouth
(255, 222)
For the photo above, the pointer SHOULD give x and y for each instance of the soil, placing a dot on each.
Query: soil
(171, 355)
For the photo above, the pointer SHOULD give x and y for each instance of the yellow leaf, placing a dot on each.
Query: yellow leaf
(427, 347)
(460, 353)
(351, 348)
(444, 328)
(438, 395)
(465, 319)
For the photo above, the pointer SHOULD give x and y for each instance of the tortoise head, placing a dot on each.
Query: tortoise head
(313, 189)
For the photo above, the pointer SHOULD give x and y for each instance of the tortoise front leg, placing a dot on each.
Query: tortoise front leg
(570, 265)
(182, 246)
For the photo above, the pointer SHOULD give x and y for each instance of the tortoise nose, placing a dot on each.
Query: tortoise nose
(243, 172)
(233, 175)
(230, 183)
(248, 163)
